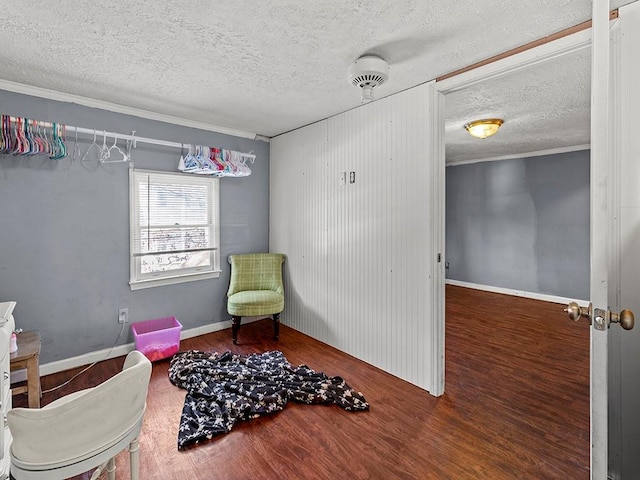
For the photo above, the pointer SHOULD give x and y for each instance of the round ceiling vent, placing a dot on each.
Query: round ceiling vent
(368, 72)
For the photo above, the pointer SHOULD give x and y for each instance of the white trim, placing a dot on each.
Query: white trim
(161, 282)
(437, 202)
(518, 293)
(619, 147)
(121, 350)
(538, 153)
(601, 137)
(114, 107)
(137, 280)
(542, 53)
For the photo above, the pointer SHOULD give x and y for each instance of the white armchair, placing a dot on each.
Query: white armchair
(82, 430)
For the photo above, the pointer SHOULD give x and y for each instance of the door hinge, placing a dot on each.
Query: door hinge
(439, 257)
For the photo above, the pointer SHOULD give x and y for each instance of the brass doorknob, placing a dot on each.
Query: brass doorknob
(575, 311)
(625, 318)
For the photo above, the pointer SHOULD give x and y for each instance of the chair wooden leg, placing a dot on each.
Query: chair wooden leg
(111, 469)
(134, 458)
(276, 325)
(235, 326)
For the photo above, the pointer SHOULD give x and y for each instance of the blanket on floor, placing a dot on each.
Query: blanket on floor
(224, 388)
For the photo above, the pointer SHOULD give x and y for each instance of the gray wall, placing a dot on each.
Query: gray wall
(64, 232)
(521, 224)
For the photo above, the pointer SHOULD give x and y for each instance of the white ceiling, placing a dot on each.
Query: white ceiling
(546, 107)
(273, 66)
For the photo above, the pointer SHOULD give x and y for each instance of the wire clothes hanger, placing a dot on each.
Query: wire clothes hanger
(94, 144)
(76, 149)
(125, 157)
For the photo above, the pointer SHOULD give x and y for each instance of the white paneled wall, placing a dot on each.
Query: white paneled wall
(360, 256)
(298, 224)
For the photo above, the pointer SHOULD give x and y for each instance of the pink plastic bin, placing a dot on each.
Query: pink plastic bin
(157, 339)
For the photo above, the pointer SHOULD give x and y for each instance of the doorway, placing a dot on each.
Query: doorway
(473, 88)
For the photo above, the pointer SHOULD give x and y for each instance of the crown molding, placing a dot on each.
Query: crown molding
(538, 153)
(117, 108)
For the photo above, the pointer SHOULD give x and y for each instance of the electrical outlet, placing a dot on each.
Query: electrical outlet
(123, 315)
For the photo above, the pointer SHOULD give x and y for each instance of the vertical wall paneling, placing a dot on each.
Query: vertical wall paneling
(359, 271)
(298, 194)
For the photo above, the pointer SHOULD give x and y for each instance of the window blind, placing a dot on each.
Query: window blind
(173, 223)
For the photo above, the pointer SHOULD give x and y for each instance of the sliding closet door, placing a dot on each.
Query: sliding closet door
(351, 205)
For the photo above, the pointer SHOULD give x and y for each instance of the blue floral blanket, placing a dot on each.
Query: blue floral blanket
(224, 388)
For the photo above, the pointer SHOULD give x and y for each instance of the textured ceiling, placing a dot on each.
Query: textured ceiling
(545, 107)
(263, 67)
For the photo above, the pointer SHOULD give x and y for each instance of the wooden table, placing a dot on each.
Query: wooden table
(28, 356)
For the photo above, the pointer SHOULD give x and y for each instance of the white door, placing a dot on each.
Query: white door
(615, 243)
(610, 156)
(607, 160)
(626, 350)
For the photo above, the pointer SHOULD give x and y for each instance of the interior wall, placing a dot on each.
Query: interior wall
(358, 254)
(521, 224)
(65, 231)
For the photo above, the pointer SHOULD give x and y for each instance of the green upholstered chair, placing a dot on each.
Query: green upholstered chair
(255, 288)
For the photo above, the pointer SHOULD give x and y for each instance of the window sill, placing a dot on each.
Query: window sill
(163, 281)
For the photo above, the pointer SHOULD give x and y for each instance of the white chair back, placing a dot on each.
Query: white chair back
(81, 426)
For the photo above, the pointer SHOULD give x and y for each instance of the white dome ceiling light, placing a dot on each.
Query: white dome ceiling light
(368, 72)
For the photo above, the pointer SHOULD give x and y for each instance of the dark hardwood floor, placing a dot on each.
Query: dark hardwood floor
(516, 406)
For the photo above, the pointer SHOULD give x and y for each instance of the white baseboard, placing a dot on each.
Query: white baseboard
(119, 351)
(518, 293)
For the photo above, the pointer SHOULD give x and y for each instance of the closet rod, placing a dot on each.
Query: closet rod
(123, 136)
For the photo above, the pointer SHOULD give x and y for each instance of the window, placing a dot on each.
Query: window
(174, 228)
